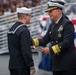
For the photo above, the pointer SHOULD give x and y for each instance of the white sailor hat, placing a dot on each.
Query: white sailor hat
(54, 5)
(24, 10)
(59, 1)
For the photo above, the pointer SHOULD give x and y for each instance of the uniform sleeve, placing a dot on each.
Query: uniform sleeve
(46, 39)
(26, 47)
(68, 39)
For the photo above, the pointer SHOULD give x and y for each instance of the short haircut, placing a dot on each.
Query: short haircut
(20, 15)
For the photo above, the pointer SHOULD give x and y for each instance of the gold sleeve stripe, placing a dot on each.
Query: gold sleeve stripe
(49, 9)
(36, 42)
(56, 49)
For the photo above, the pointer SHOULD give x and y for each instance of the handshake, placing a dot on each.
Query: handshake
(35, 46)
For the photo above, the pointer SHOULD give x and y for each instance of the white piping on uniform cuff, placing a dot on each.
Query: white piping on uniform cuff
(31, 68)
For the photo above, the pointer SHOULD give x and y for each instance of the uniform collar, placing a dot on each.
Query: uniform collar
(58, 20)
(19, 23)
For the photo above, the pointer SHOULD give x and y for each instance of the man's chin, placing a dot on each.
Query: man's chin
(28, 22)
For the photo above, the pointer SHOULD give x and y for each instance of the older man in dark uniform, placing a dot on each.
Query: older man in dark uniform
(61, 36)
(19, 45)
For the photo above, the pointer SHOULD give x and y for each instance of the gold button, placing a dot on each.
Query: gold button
(52, 41)
(60, 46)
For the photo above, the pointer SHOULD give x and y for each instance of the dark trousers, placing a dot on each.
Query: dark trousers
(19, 72)
(66, 72)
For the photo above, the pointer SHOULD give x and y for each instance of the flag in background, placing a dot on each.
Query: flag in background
(45, 62)
(42, 23)
(74, 23)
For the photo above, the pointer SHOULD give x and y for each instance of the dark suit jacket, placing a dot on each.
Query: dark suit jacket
(62, 35)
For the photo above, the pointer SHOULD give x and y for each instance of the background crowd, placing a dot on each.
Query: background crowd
(9, 6)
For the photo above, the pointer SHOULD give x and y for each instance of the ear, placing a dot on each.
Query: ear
(24, 16)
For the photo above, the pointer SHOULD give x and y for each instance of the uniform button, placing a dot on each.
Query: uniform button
(60, 46)
(58, 54)
(56, 41)
(52, 41)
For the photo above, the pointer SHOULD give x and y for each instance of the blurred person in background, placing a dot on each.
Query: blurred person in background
(28, 3)
(36, 3)
(19, 45)
(1, 12)
(13, 6)
(61, 36)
